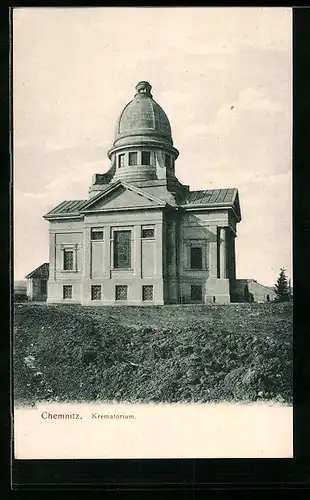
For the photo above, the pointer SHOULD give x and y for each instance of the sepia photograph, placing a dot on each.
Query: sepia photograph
(152, 221)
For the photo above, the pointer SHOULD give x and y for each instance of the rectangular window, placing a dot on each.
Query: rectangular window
(122, 249)
(196, 258)
(133, 158)
(196, 292)
(68, 260)
(67, 292)
(121, 161)
(148, 232)
(121, 292)
(43, 287)
(146, 158)
(96, 292)
(97, 234)
(147, 292)
(167, 161)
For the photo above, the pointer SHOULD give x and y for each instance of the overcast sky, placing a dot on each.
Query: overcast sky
(224, 78)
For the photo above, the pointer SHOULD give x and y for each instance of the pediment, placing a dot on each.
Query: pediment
(121, 196)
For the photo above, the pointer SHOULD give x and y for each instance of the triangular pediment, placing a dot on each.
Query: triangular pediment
(120, 196)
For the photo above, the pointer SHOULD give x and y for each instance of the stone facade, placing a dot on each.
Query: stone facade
(142, 237)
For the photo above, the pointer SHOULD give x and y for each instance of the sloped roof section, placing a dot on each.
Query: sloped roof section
(69, 207)
(212, 196)
(40, 272)
(215, 197)
(221, 198)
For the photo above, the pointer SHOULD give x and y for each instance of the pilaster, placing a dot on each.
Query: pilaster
(52, 256)
(223, 252)
(137, 251)
(87, 253)
(106, 253)
(159, 250)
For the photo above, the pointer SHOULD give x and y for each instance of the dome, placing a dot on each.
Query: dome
(143, 120)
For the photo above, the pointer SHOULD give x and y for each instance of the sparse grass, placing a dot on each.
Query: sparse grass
(235, 352)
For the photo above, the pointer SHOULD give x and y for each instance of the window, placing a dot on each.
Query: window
(122, 249)
(43, 287)
(146, 158)
(97, 234)
(196, 292)
(147, 292)
(167, 161)
(96, 292)
(133, 158)
(121, 292)
(68, 260)
(148, 232)
(67, 292)
(121, 161)
(196, 258)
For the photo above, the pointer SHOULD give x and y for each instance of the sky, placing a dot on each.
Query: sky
(222, 75)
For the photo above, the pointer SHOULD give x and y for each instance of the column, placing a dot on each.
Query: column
(212, 260)
(223, 253)
(233, 256)
(137, 250)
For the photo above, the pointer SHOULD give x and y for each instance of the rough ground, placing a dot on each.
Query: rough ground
(234, 352)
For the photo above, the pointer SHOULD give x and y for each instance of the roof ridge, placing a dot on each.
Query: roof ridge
(214, 189)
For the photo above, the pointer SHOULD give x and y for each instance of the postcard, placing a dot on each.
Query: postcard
(153, 287)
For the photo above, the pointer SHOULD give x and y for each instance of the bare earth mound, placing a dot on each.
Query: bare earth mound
(235, 352)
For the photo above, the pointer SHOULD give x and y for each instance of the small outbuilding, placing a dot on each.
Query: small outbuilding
(37, 283)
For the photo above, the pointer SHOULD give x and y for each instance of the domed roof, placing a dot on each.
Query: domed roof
(143, 118)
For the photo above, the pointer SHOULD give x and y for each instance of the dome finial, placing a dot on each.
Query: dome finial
(144, 88)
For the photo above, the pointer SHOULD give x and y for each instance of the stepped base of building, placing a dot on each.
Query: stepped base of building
(217, 291)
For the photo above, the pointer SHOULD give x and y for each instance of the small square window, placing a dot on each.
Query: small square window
(67, 292)
(96, 292)
(121, 161)
(196, 292)
(146, 158)
(68, 260)
(97, 234)
(147, 292)
(121, 292)
(133, 158)
(148, 232)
